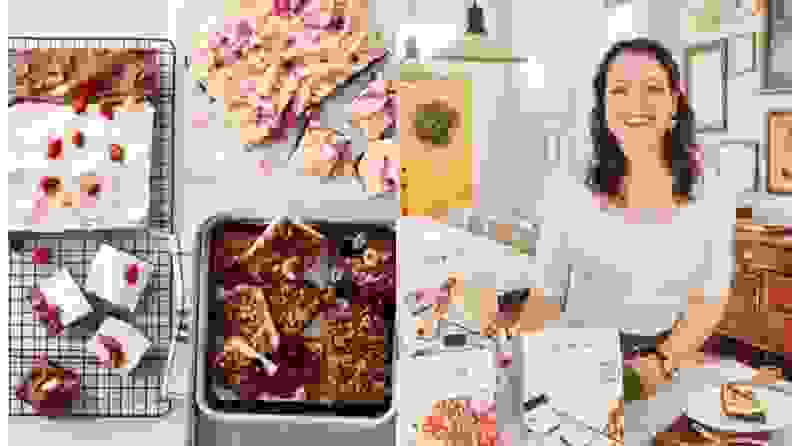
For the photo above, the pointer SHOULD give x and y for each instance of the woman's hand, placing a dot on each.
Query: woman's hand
(653, 372)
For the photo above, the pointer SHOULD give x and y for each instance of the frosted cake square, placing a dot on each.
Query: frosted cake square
(59, 302)
(118, 277)
(78, 171)
(118, 345)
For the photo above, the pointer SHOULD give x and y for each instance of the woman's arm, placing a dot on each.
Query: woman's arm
(707, 304)
(688, 336)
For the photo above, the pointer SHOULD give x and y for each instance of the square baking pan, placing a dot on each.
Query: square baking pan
(214, 278)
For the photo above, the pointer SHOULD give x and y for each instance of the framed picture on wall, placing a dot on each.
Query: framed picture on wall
(743, 54)
(705, 73)
(777, 55)
(739, 160)
(779, 151)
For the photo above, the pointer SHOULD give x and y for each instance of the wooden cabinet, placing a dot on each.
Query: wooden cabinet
(779, 138)
(777, 293)
(436, 178)
(737, 321)
(682, 439)
(760, 309)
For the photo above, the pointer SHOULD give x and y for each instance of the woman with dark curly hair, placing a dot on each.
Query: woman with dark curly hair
(649, 257)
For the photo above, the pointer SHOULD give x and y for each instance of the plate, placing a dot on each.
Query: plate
(704, 407)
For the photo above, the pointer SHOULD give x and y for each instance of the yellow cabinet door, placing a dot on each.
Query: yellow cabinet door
(436, 178)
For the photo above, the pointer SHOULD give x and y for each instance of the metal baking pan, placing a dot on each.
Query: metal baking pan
(220, 404)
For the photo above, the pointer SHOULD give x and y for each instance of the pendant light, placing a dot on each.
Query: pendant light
(475, 20)
(475, 46)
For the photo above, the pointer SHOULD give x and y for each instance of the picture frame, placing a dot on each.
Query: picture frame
(740, 160)
(743, 8)
(779, 161)
(743, 54)
(706, 77)
(775, 79)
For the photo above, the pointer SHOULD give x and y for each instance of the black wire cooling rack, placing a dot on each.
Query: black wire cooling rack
(105, 393)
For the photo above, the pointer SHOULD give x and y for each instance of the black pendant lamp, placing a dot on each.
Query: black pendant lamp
(475, 20)
(476, 46)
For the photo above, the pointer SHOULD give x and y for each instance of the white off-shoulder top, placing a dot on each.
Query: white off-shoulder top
(632, 269)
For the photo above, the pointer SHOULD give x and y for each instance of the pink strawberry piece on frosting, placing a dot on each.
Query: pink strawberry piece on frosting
(133, 273)
(41, 256)
(106, 346)
(46, 312)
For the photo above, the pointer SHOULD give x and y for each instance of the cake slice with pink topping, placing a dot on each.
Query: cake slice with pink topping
(58, 302)
(118, 345)
(118, 277)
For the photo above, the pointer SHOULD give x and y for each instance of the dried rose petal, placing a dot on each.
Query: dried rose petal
(116, 152)
(133, 273)
(41, 256)
(481, 408)
(504, 359)
(55, 148)
(46, 312)
(78, 139)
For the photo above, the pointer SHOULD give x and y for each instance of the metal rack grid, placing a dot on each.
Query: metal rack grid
(106, 394)
(162, 149)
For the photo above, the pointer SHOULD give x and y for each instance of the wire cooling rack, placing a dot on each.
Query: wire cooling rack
(105, 393)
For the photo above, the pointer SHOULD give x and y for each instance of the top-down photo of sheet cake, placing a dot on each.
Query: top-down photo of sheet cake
(80, 139)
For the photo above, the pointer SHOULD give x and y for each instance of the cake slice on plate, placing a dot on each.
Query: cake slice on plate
(739, 401)
(119, 346)
(58, 301)
(118, 277)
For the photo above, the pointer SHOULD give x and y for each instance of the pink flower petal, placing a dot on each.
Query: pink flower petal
(132, 274)
(87, 201)
(40, 209)
(247, 87)
(504, 359)
(265, 167)
(481, 407)
(429, 296)
(200, 120)
(618, 134)
(664, 216)
(200, 56)
(600, 200)
(41, 256)
(377, 87)
(275, 341)
(632, 216)
(271, 369)
(682, 87)
(376, 54)
(368, 104)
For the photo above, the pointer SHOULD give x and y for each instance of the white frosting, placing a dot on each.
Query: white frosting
(28, 145)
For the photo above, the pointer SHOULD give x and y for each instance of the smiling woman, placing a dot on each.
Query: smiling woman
(653, 259)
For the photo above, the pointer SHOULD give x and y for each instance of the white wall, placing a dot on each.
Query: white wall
(746, 109)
